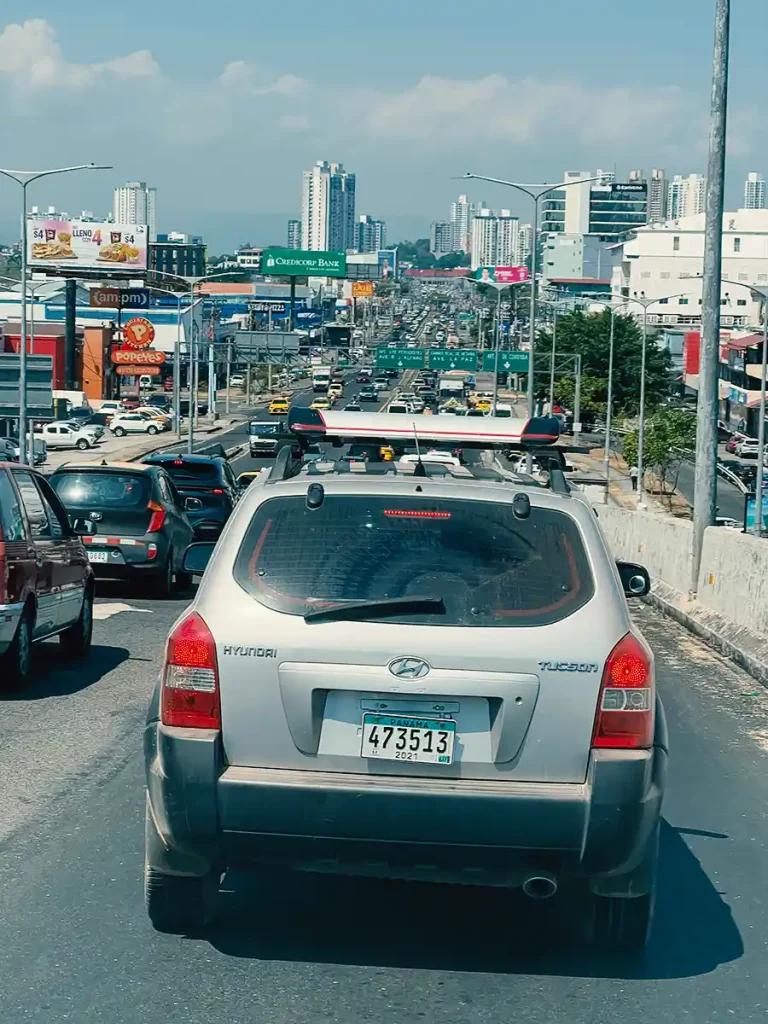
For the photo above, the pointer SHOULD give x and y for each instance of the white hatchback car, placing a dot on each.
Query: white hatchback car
(133, 423)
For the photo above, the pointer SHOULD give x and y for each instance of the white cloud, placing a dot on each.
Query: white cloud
(249, 79)
(493, 108)
(31, 58)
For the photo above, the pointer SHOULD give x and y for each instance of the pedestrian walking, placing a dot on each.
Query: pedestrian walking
(633, 474)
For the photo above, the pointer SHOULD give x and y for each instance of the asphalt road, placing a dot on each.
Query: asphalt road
(78, 947)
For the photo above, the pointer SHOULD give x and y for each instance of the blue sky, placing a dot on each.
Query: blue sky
(221, 106)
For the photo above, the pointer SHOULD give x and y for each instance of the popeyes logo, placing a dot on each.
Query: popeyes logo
(138, 333)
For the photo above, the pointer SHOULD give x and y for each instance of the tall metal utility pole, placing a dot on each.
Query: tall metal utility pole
(705, 487)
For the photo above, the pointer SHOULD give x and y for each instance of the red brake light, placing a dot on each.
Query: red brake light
(217, 490)
(157, 518)
(191, 677)
(625, 710)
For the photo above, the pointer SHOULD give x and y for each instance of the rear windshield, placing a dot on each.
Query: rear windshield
(91, 489)
(192, 472)
(489, 568)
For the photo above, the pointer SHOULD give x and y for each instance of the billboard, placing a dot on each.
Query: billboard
(362, 289)
(303, 263)
(138, 333)
(502, 275)
(86, 245)
(387, 260)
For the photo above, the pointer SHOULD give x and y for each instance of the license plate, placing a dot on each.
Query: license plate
(398, 738)
(98, 556)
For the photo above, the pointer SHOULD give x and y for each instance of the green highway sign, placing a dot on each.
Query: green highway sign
(452, 359)
(303, 263)
(400, 358)
(509, 362)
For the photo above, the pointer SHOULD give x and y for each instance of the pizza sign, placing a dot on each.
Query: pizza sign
(138, 333)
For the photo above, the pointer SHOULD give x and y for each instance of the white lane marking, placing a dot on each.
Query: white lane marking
(110, 608)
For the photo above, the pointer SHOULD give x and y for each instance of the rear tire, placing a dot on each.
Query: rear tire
(183, 580)
(179, 903)
(76, 640)
(164, 586)
(622, 922)
(16, 663)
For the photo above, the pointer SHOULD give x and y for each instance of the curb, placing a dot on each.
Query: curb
(746, 649)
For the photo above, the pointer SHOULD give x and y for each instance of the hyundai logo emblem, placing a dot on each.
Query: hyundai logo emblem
(409, 668)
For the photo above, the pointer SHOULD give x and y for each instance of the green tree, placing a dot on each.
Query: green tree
(588, 334)
(452, 260)
(669, 434)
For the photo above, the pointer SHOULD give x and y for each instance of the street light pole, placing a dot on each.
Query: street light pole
(541, 191)
(24, 178)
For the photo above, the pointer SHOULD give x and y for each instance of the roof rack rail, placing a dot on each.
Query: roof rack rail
(557, 482)
(284, 466)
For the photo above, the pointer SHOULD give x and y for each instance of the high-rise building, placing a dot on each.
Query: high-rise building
(136, 203)
(442, 238)
(294, 234)
(371, 234)
(685, 196)
(754, 191)
(603, 207)
(657, 196)
(524, 244)
(461, 219)
(328, 207)
(495, 238)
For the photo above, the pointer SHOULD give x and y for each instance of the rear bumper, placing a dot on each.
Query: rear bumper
(9, 621)
(465, 830)
(135, 560)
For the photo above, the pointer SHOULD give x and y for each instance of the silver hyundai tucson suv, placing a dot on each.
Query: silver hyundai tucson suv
(414, 671)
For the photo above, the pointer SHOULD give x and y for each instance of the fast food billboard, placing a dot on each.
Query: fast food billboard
(86, 245)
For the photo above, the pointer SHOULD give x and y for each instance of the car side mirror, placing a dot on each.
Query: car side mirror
(634, 579)
(196, 557)
(193, 505)
(84, 526)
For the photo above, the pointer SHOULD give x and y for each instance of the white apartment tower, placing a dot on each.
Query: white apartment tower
(136, 203)
(328, 207)
(461, 217)
(657, 195)
(685, 197)
(754, 191)
(524, 244)
(494, 239)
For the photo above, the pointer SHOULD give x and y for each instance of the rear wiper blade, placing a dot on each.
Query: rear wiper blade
(379, 609)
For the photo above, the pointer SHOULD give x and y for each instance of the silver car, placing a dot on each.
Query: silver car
(411, 671)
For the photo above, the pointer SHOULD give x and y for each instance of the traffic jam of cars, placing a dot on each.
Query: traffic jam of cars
(399, 502)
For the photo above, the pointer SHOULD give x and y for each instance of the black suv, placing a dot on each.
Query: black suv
(367, 394)
(210, 479)
(131, 518)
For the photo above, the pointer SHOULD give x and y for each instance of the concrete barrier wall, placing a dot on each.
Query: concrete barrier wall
(660, 543)
(733, 579)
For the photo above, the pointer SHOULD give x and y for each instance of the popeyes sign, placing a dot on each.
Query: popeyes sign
(138, 333)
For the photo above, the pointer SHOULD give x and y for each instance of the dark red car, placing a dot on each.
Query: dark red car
(363, 378)
(46, 582)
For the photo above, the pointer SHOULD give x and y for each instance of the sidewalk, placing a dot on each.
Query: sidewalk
(620, 488)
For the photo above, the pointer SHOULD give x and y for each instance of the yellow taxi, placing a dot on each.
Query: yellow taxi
(387, 453)
(320, 403)
(483, 405)
(247, 478)
(278, 406)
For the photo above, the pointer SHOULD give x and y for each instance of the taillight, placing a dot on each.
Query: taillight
(157, 518)
(625, 710)
(191, 677)
(217, 490)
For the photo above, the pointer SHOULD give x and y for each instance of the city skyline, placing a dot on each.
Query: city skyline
(279, 115)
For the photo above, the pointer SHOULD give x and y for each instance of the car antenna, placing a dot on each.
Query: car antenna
(420, 469)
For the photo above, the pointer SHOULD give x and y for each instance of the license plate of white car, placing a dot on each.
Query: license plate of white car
(399, 738)
(98, 556)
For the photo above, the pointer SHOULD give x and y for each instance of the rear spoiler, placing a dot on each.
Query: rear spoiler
(310, 426)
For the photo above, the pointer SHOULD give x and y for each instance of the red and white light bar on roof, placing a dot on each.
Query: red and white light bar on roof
(315, 425)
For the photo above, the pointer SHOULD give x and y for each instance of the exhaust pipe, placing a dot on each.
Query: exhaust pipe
(540, 887)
